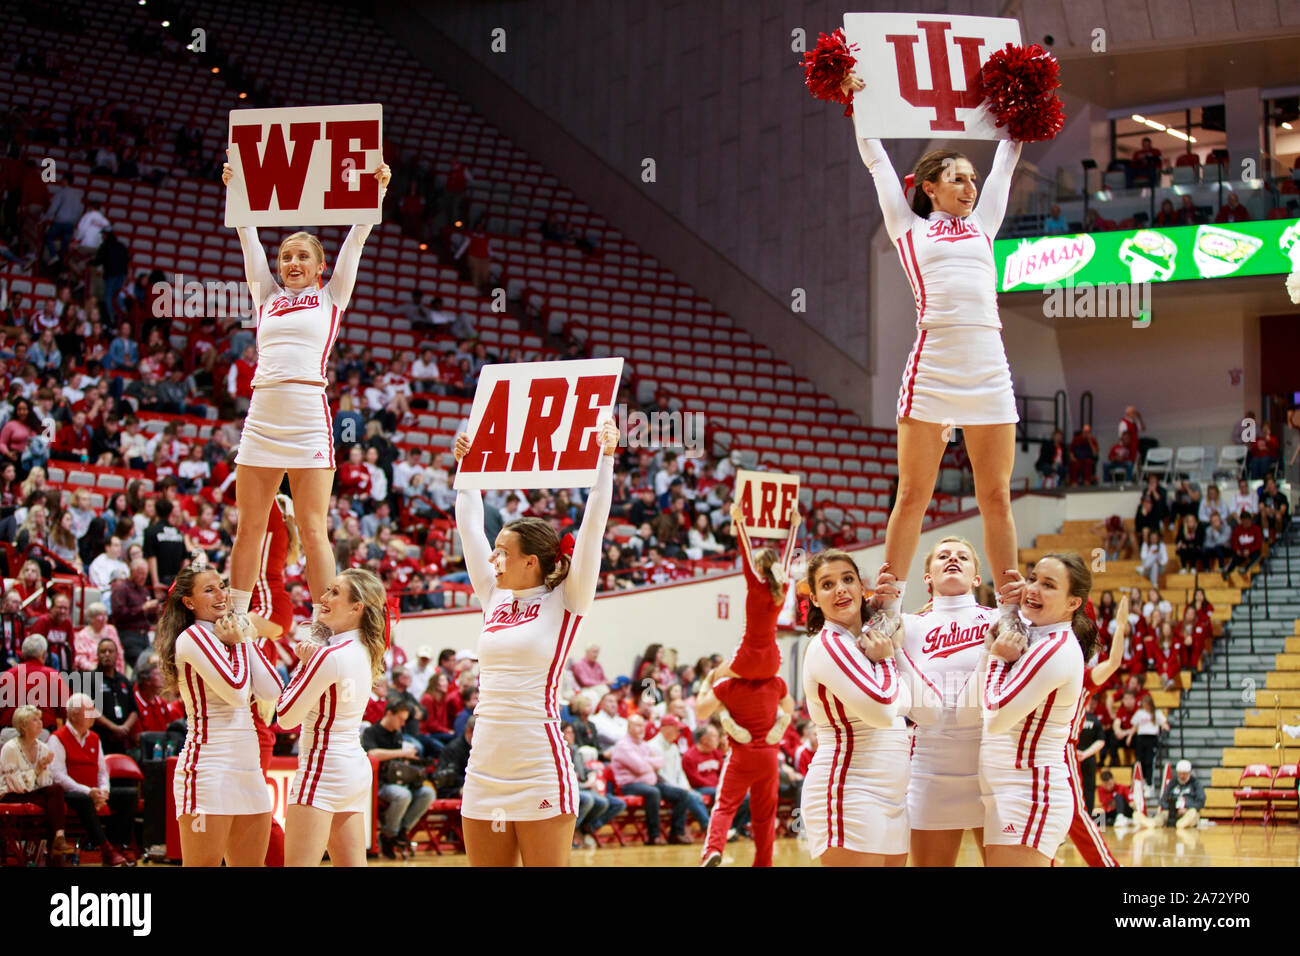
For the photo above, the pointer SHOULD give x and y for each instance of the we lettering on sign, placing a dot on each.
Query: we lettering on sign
(305, 166)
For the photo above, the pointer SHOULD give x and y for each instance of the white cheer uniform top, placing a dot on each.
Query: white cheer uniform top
(297, 330)
(218, 682)
(327, 695)
(948, 259)
(1029, 706)
(849, 695)
(946, 645)
(527, 634)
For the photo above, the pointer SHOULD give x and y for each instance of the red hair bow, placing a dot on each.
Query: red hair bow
(908, 182)
(566, 546)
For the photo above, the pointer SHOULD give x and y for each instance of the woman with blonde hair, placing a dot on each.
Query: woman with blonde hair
(25, 777)
(326, 695)
(31, 587)
(222, 804)
(946, 642)
(288, 428)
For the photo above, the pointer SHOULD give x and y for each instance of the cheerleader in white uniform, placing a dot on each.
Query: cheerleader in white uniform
(222, 802)
(854, 803)
(946, 643)
(327, 695)
(1031, 688)
(288, 428)
(957, 374)
(520, 796)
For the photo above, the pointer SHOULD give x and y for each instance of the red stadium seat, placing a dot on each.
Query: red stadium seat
(1252, 793)
(1282, 795)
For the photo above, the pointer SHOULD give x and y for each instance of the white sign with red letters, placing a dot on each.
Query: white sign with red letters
(533, 424)
(305, 166)
(920, 72)
(767, 500)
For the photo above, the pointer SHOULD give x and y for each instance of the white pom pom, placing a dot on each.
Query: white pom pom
(1293, 287)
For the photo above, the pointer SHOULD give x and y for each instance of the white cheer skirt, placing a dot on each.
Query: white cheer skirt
(958, 375)
(288, 426)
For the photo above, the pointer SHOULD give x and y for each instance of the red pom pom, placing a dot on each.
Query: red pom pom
(826, 66)
(1017, 83)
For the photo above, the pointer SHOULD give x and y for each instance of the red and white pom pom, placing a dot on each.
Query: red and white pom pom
(1016, 83)
(1293, 287)
(827, 66)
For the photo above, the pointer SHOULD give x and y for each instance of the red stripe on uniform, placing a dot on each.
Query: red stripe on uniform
(329, 341)
(1042, 722)
(329, 428)
(1033, 811)
(562, 644)
(909, 387)
(303, 677)
(830, 780)
(305, 777)
(1020, 744)
(231, 677)
(559, 764)
(1081, 816)
(325, 735)
(844, 766)
(1042, 817)
(920, 282)
(1019, 680)
(858, 675)
(194, 737)
(911, 279)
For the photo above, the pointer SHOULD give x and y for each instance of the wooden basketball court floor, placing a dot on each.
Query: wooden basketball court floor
(1249, 845)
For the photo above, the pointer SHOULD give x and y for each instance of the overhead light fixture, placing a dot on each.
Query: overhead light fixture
(243, 96)
(1179, 134)
(1287, 126)
(166, 24)
(216, 69)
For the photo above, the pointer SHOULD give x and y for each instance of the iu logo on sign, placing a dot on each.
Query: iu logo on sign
(942, 98)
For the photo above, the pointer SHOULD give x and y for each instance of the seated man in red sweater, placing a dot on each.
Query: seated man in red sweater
(56, 628)
(79, 768)
(72, 441)
(1115, 799)
(1233, 211)
(703, 765)
(1247, 545)
(30, 681)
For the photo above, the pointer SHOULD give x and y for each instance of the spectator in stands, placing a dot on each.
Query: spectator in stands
(406, 802)
(62, 542)
(45, 354)
(135, 610)
(1093, 222)
(1181, 803)
(1119, 461)
(595, 808)
(56, 628)
(1188, 213)
(587, 671)
(1146, 164)
(1233, 210)
(1053, 461)
(636, 769)
(113, 258)
(1217, 551)
(17, 432)
(1114, 800)
(1264, 453)
(453, 760)
(1214, 504)
(440, 708)
(1189, 542)
(400, 690)
(1153, 557)
(1130, 428)
(79, 768)
(1148, 724)
(703, 765)
(701, 541)
(123, 351)
(118, 722)
(63, 214)
(1274, 509)
(611, 726)
(1167, 216)
(1083, 457)
(584, 731)
(1247, 546)
(25, 777)
(13, 629)
(31, 681)
(1055, 223)
(164, 544)
(478, 256)
(86, 641)
(1186, 502)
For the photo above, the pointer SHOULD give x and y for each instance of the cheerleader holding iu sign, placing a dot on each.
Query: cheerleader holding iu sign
(222, 803)
(288, 428)
(957, 374)
(1032, 686)
(520, 795)
(328, 695)
(946, 642)
(854, 805)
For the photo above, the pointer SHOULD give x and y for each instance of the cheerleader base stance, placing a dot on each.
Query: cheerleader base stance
(958, 375)
(855, 792)
(944, 793)
(1033, 806)
(532, 773)
(230, 782)
(288, 426)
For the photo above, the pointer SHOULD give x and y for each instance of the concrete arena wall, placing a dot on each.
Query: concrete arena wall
(685, 616)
